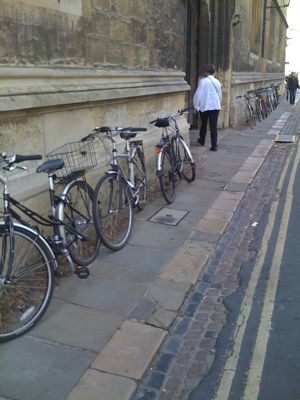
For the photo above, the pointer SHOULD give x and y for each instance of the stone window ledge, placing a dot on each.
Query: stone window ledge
(248, 77)
(24, 88)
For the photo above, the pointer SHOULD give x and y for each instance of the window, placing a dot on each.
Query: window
(256, 26)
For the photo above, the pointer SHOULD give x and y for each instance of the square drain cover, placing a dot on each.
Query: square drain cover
(285, 138)
(168, 216)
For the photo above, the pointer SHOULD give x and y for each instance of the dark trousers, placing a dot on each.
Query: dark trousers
(212, 117)
(292, 95)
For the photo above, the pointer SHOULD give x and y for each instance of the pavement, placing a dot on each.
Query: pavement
(100, 336)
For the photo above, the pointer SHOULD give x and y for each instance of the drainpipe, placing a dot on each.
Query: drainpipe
(264, 30)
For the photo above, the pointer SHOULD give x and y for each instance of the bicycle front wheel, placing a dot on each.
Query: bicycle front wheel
(140, 180)
(79, 230)
(27, 286)
(166, 177)
(187, 164)
(258, 110)
(112, 210)
(250, 117)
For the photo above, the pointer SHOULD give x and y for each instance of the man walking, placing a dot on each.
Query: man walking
(292, 86)
(207, 100)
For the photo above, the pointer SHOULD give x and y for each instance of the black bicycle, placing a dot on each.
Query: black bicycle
(174, 158)
(28, 258)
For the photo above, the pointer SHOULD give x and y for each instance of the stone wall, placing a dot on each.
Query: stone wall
(106, 33)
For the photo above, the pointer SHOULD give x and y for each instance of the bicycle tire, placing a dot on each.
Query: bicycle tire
(140, 179)
(258, 110)
(264, 109)
(25, 298)
(167, 181)
(268, 105)
(112, 211)
(250, 117)
(77, 215)
(188, 169)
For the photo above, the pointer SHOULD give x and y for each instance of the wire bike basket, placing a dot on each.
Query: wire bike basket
(79, 157)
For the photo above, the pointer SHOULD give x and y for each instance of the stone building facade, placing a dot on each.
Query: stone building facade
(67, 66)
(258, 55)
(245, 39)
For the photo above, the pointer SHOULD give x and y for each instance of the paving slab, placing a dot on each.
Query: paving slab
(130, 351)
(185, 265)
(111, 296)
(66, 323)
(167, 299)
(212, 225)
(120, 273)
(162, 318)
(33, 369)
(148, 258)
(95, 385)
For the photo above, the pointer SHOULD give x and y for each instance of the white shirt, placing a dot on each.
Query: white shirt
(208, 95)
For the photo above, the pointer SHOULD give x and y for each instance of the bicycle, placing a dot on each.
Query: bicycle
(174, 158)
(28, 259)
(117, 192)
(249, 110)
(260, 105)
(27, 267)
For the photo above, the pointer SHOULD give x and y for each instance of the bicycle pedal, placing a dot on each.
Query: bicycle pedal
(82, 272)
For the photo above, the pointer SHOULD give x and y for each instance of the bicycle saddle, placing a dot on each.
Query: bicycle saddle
(50, 165)
(162, 122)
(128, 135)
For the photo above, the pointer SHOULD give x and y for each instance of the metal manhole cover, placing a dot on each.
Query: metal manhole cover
(168, 216)
(285, 139)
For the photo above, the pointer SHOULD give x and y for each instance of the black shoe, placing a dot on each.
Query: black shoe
(200, 142)
(213, 148)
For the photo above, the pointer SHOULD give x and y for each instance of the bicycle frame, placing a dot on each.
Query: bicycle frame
(56, 241)
(129, 153)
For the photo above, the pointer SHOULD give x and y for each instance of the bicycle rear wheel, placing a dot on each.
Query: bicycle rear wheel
(187, 164)
(166, 175)
(79, 231)
(112, 211)
(25, 291)
(140, 179)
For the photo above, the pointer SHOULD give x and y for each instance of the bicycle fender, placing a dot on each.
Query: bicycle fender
(111, 172)
(25, 227)
(159, 163)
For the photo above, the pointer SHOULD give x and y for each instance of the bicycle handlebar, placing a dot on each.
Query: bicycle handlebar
(17, 158)
(108, 130)
(179, 112)
(33, 157)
